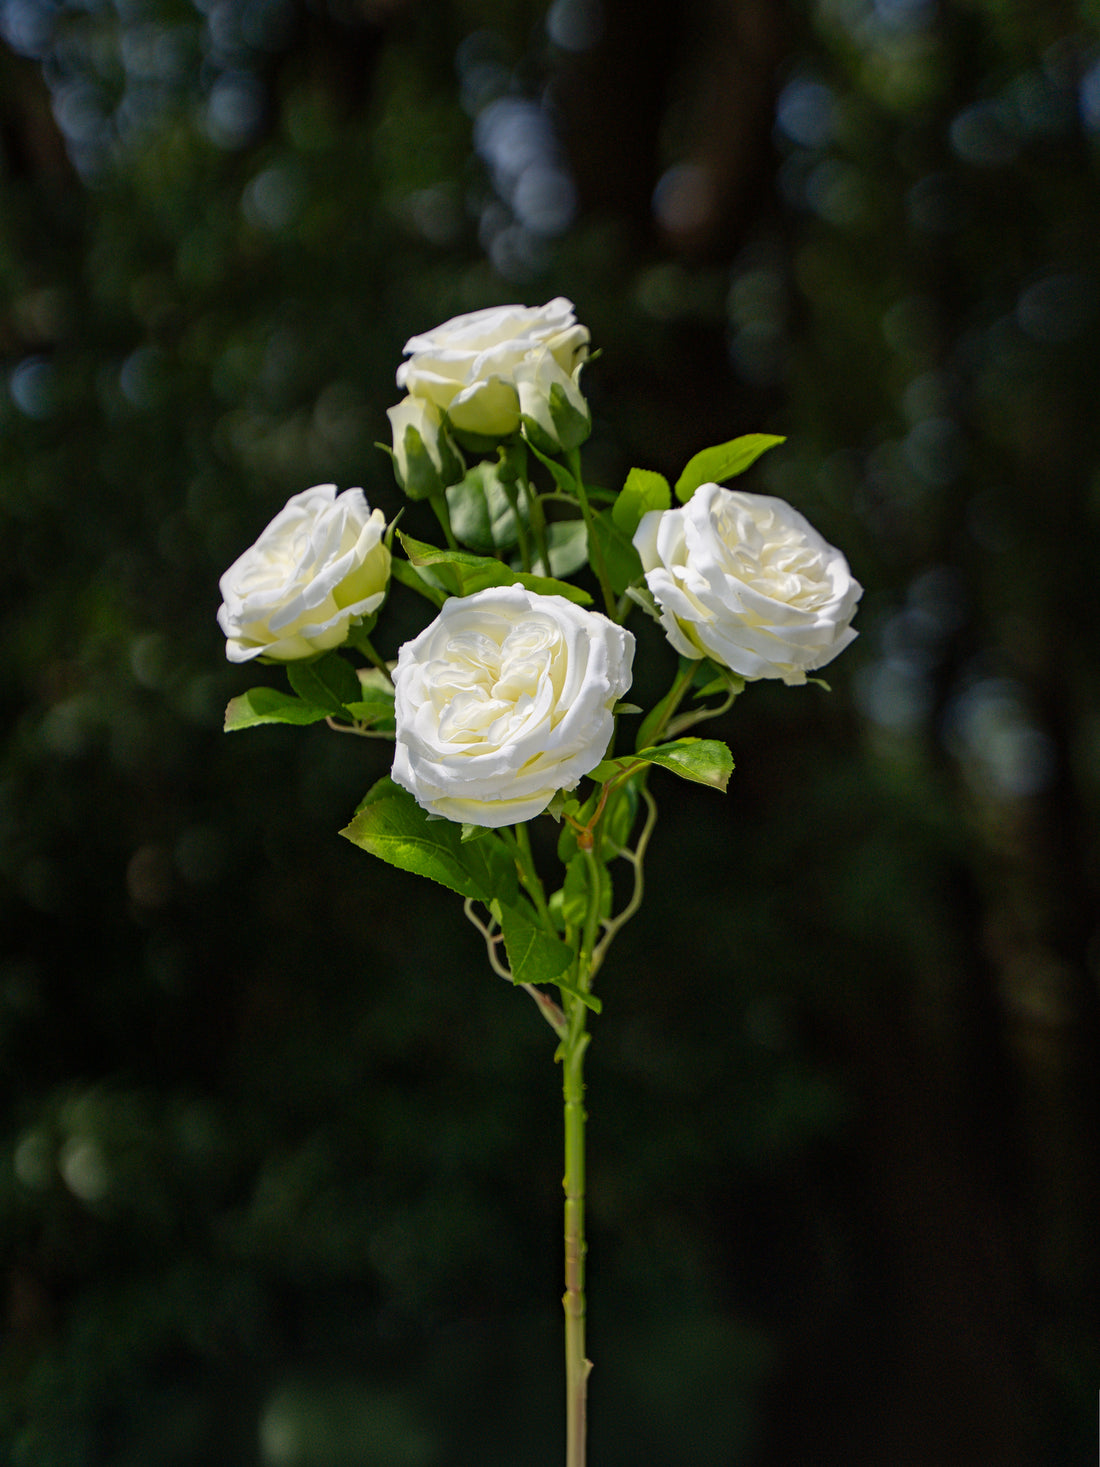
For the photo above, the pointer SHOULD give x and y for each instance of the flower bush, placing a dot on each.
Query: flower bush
(319, 567)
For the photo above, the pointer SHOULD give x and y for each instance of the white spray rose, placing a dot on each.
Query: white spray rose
(552, 406)
(319, 567)
(467, 367)
(507, 697)
(746, 580)
(425, 459)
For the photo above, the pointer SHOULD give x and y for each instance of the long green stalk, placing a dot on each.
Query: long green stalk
(577, 1365)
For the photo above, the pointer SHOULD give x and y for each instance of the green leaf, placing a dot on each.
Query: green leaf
(703, 761)
(574, 892)
(567, 541)
(619, 816)
(620, 558)
(392, 826)
(462, 574)
(401, 571)
(269, 705)
(724, 461)
(563, 479)
(534, 955)
(329, 682)
(374, 706)
(643, 492)
(481, 512)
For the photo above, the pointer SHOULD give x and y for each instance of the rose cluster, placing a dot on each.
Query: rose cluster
(510, 694)
(477, 379)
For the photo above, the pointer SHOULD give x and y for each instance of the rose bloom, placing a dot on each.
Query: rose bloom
(319, 567)
(746, 580)
(504, 699)
(467, 367)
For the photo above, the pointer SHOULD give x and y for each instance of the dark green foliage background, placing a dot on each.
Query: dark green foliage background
(280, 1175)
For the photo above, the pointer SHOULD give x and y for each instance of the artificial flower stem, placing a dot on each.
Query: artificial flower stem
(577, 1366)
(439, 504)
(512, 492)
(651, 733)
(528, 872)
(595, 552)
(362, 642)
(538, 527)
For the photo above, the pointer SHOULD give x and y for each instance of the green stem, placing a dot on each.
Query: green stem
(700, 715)
(520, 842)
(595, 554)
(511, 489)
(650, 732)
(363, 643)
(538, 527)
(637, 860)
(577, 1365)
(439, 504)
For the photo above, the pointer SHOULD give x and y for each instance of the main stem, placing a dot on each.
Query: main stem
(577, 1366)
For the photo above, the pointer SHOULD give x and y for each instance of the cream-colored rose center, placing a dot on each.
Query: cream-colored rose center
(485, 690)
(773, 559)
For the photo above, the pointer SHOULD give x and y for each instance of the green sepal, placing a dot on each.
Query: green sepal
(643, 492)
(422, 478)
(703, 761)
(462, 574)
(560, 803)
(534, 955)
(478, 445)
(570, 427)
(561, 475)
(642, 596)
(269, 705)
(705, 684)
(390, 824)
(328, 682)
(621, 560)
(723, 461)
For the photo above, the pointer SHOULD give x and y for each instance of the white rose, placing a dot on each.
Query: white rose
(467, 367)
(746, 580)
(504, 699)
(319, 566)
